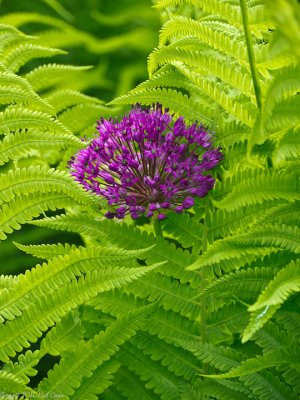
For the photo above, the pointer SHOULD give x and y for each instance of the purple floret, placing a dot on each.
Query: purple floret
(146, 164)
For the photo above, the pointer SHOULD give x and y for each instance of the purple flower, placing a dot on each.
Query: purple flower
(146, 164)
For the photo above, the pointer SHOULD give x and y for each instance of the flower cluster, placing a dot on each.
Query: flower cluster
(147, 164)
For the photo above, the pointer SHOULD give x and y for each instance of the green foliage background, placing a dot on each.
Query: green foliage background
(209, 311)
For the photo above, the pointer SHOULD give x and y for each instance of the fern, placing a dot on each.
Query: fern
(206, 310)
(15, 145)
(46, 76)
(24, 53)
(84, 361)
(284, 284)
(21, 118)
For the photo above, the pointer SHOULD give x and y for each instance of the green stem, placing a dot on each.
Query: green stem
(157, 228)
(251, 56)
(203, 277)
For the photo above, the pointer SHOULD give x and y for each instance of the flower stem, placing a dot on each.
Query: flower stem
(203, 277)
(251, 56)
(203, 283)
(157, 228)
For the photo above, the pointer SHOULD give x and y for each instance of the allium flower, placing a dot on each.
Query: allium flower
(147, 164)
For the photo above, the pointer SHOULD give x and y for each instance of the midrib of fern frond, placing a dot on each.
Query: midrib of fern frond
(20, 55)
(48, 310)
(43, 180)
(24, 208)
(87, 358)
(9, 95)
(46, 76)
(46, 251)
(17, 144)
(179, 27)
(206, 62)
(258, 240)
(284, 284)
(10, 35)
(102, 378)
(60, 271)
(238, 106)
(21, 118)
(131, 238)
(171, 295)
(180, 103)
(64, 98)
(66, 331)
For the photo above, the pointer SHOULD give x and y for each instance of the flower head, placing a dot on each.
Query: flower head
(146, 164)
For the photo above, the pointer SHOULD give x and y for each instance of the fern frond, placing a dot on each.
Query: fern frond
(222, 222)
(178, 102)
(10, 35)
(17, 118)
(252, 365)
(288, 147)
(281, 236)
(7, 78)
(227, 321)
(205, 62)
(268, 386)
(162, 323)
(184, 228)
(155, 377)
(257, 241)
(46, 251)
(166, 77)
(177, 360)
(237, 105)
(20, 55)
(10, 95)
(16, 145)
(290, 321)
(48, 310)
(64, 98)
(272, 337)
(24, 368)
(65, 335)
(244, 285)
(220, 357)
(172, 295)
(93, 386)
(93, 353)
(291, 376)
(259, 186)
(10, 384)
(48, 75)
(285, 114)
(35, 179)
(285, 84)
(7, 281)
(285, 283)
(61, 270)
(22, 209)
(123, 235)
(129, 384)
(230, 132)
(257, 320)
(223, 9)
(226, 258)
(83, 116)
(180, 26)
